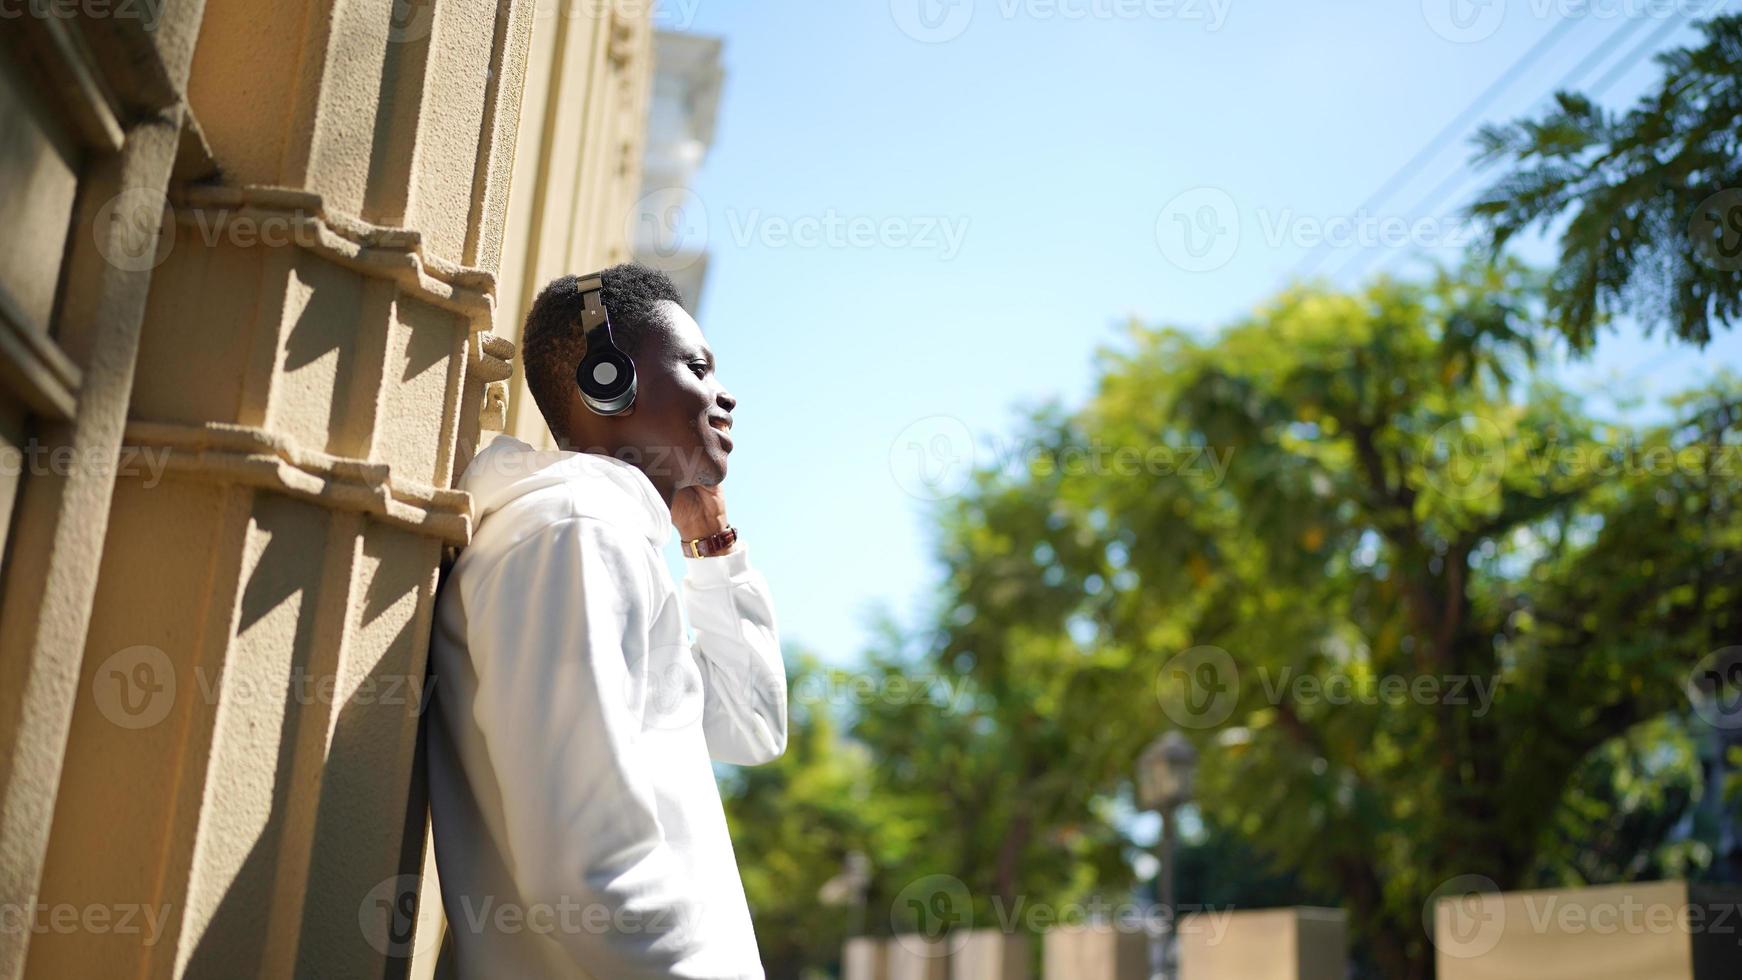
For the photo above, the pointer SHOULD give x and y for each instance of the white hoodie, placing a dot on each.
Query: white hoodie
(578, 827)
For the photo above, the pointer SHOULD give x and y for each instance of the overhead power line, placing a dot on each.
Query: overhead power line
(1451, 130)
(1446, 188)
(1648, 46)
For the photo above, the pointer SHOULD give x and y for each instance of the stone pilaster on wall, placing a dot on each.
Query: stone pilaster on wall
(93, 117)
(309, 361)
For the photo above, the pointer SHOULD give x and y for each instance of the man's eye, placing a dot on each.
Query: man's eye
(700, 368)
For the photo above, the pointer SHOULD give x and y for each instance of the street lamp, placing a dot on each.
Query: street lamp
(849, 888)
(1164, 781)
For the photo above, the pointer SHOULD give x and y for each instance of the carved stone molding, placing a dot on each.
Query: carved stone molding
(349, 241)
(492, 362)
(245, 455)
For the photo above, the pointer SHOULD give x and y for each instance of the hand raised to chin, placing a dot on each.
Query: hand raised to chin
(698, 511)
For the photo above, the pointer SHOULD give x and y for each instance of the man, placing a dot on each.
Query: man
(578, 828)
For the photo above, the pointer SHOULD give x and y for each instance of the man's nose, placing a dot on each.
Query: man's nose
(726, 400)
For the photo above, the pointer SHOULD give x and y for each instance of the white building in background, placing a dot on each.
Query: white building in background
(670, 223)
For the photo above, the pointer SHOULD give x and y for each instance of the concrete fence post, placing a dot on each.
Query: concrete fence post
(989, 954)
(1100, 952)
(865, 958)
(1666, 930)
(916, 957)
(1265, 944)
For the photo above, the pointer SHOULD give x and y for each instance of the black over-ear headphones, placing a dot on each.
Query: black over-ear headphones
(606, 375)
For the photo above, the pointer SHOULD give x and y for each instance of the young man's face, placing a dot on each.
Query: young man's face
(682, 413)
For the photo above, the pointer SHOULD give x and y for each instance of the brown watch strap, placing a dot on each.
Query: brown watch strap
(717, 543)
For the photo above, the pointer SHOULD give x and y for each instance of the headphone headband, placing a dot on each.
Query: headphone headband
(593, 313)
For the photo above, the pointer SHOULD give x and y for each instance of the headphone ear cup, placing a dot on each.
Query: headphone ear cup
(607, 381)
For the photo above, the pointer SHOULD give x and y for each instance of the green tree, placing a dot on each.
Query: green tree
(1406, 513)
(1651, 198)
(1425, 618)
(795, 821)
(1008, 807)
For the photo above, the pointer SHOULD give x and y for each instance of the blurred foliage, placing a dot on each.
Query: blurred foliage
(1424, 617)
(1371, 493)
(1651, 198)
(795, 820)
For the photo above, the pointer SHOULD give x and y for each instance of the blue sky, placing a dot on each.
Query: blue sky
(922, 219)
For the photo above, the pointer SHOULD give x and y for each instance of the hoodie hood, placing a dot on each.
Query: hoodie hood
(509, 473)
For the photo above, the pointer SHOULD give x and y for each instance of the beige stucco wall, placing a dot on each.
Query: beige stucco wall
(256, 262)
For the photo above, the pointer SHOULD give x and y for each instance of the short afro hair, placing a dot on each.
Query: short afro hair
(552, 345)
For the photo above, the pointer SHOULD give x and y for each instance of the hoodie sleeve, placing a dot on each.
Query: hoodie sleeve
(737, 647)
(565, 617)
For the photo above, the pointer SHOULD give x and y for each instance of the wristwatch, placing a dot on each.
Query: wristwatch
(717, 543)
